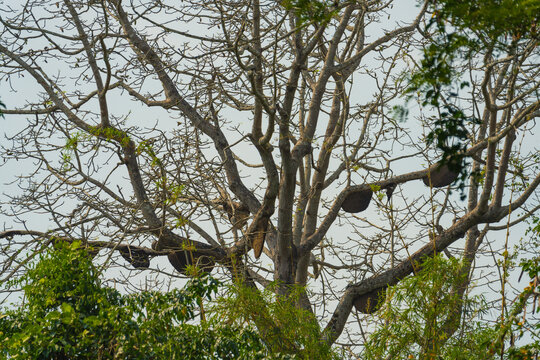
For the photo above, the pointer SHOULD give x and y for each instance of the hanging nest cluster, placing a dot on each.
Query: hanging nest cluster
(358, 201)
(138, 258)
(184, 260)
(370, 302)
(439, 176)
(257, 234)
(238, 214)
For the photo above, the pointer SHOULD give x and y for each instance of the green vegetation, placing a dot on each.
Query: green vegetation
(422, 312)
(68, 314)
(311, 11)
(460, 31)
(491, 20)
(286, 329)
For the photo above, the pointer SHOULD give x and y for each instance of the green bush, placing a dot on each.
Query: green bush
(68, 314)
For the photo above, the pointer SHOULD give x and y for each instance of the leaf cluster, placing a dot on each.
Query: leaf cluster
(491, 19)
(287, 330)
(458, 31)
(69, 314)
(437, 85)
(425, 317)
(420, 310)
(311, 10)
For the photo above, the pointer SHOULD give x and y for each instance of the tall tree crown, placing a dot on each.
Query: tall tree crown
(262, 140)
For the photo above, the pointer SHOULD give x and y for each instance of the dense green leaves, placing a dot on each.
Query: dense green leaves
(489, 19)
(311, 10)
(69, 314)
(420, 310)
(285, 328)
(425, 317)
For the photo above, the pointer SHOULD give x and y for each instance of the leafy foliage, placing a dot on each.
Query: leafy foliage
(310, 10)
(490, 19)
(530, 267)
(461, 29)
(69, 314)
(288, 329)
(419, 310)
(437, 85)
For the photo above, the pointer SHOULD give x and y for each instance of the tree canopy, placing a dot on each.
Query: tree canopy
(322, 151)
(69, 314)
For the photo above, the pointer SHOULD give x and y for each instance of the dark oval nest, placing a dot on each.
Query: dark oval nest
(440, 176)
(136, 257)
(180, 260)
(370, 302)
(357, 201)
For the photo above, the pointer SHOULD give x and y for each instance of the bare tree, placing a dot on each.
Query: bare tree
(202, 130)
